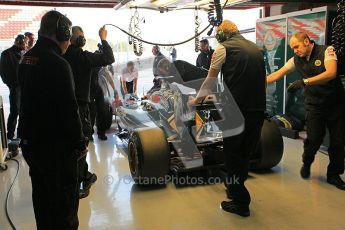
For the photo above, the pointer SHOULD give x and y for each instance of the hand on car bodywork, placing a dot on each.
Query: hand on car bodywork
(295, 86)
(191, 101)
(103, 33)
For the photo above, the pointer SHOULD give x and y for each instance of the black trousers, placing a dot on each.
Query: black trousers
(84, 113)
(317, 119)
(97, 110)
(14, 111)
(237, 150)
(156, 85)
(54, 178)
(129, 86)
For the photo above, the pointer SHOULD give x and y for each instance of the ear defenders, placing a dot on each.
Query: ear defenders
(220, 36)
(20, 39)
(80, 41)
(63, 32)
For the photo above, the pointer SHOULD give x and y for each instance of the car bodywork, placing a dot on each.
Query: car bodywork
(189, 138)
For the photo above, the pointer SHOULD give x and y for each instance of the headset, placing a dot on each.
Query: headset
(20, 39)
(80, 41)
(63, 32)
(220, 36)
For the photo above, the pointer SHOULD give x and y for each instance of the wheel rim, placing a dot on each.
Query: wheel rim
(133, 158)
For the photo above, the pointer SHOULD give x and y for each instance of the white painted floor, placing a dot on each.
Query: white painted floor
(280, 198)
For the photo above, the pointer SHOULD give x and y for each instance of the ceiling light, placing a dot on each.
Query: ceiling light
(120, 4)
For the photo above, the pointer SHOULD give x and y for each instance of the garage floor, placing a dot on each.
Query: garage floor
(280, 198)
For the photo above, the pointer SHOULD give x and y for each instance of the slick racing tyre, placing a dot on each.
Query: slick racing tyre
(270, 148)
(149, 156)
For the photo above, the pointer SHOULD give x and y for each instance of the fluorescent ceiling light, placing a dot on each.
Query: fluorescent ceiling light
(120, 4)
(205, 3)
(163, 3)
(137, 3)
(198, 3)
(234, 2)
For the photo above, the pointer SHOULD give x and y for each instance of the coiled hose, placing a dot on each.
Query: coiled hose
(197, 25)
(137, 45)
(338, 30)
(215, 14)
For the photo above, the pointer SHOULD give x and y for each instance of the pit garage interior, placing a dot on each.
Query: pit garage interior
(280, 198)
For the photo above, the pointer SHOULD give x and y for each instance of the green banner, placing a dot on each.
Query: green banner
(271, 35)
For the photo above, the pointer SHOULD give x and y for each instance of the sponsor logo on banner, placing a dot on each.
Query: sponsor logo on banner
(270, 40)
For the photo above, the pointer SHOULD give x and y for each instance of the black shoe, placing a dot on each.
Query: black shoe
(231, 206)
(83, 193)
(12, 154)
(336, 181)
(91, 179)
(102, 137)
(305, 171)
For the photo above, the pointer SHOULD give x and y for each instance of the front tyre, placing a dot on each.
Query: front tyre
(148, 156)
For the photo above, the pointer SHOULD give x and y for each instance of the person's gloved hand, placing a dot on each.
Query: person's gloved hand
(295, 86)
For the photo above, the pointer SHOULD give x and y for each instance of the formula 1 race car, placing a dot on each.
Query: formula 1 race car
(164, 135)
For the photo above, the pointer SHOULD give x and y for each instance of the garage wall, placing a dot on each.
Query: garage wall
(16, 20)
(273, 34)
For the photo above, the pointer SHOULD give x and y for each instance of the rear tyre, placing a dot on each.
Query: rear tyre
(269, 151)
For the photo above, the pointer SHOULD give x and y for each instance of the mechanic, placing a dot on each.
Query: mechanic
(49, 125)
(129, 79)
(173, 53)
(82, 63)
(96, 101)
(158, 56)
(30, 40)
(324, 102)
(243, 69)
(98, 107)
(205, 55)
(8, 70)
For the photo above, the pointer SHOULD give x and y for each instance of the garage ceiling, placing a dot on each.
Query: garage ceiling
(157, 3)
(71, 3)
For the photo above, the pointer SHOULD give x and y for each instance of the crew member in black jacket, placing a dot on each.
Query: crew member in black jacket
(324, 102)
(8, 70)
(49, 126)
(82, 63)
(205, 55)
(243, 68)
